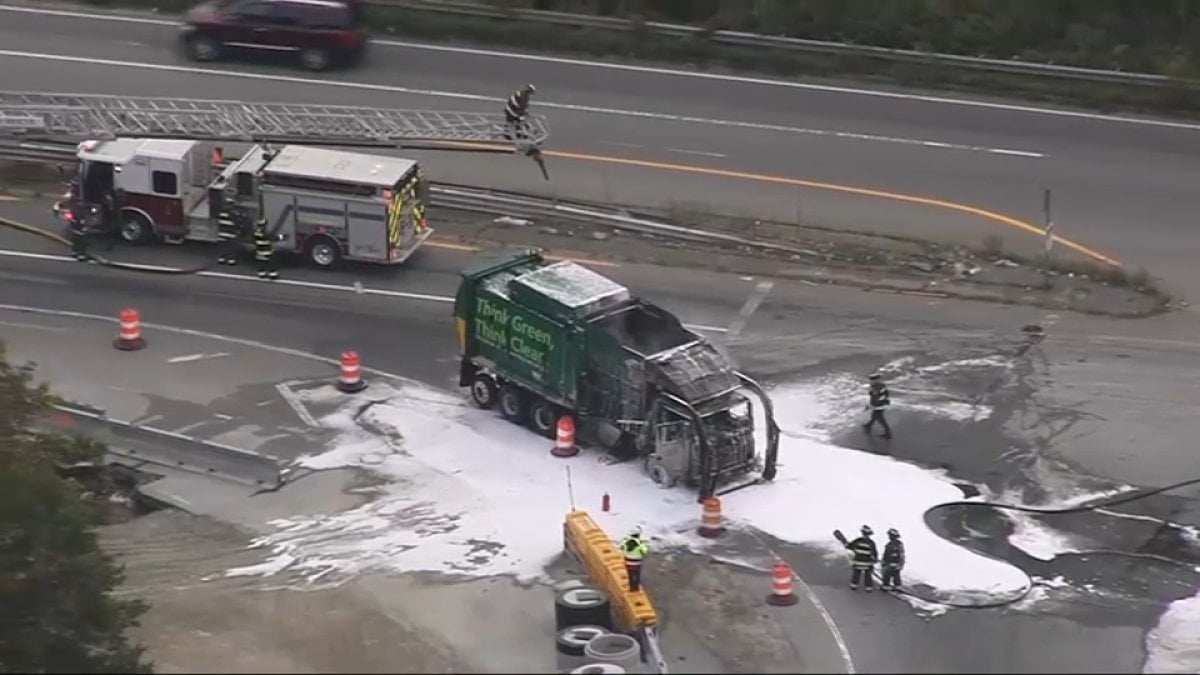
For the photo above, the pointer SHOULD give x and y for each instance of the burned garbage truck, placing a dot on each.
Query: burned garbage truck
(540, 340)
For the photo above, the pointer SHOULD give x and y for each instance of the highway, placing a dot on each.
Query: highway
(830, 155)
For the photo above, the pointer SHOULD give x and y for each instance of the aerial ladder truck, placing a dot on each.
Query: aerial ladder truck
(155, 169)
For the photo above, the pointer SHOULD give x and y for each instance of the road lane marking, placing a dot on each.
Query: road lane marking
(32, 326)
(358, 290)
(640, 114)
(672, 72)
(698, 153)
(9, 198)
(293, 400)
(189, 358)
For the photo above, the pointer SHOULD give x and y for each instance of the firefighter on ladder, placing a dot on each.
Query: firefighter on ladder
(231, 230)
(515, 110)
(634, 549)
(264, 250)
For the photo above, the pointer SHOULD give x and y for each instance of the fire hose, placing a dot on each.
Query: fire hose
(1105, 503)
(101, 260)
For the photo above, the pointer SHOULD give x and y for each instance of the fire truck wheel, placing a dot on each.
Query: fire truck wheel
(201, 48)
(483, 391)
(323, 252)
(134, 228)
(543, 418)
(514, 404)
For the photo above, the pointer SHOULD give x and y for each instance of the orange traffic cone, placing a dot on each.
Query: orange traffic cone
(782, 594)
(564, 441)
(710, 519)
(351, 380)
(129, 334)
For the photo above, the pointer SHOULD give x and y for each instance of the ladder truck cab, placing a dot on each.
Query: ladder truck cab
(327, 205)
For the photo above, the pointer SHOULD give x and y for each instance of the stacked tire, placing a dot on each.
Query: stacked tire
(582, 606)
(571, 643)
(599, 669)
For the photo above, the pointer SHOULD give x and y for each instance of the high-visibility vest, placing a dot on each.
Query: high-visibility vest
(634, 550)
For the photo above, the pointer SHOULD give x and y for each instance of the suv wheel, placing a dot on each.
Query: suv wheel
(201, 48)
(314, 59)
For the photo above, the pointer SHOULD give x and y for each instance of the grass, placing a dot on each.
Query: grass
(698, 52)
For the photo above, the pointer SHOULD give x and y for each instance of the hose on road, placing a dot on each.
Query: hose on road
(101, 260)
(1105, 503)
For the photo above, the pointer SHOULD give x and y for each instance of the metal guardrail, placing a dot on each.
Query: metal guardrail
(789, 44)
(498, 203)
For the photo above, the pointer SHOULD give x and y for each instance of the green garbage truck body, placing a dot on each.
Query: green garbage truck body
(539, 340)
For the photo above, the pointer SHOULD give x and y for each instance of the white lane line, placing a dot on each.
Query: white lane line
(756, 297)
(189, 358)
(358, 290)
(640, 114)
(32, 326)
(698, 153)
(297, 406)
(650, 70)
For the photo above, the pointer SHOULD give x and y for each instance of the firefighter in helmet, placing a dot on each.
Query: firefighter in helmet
(515, 110)
(634, 549)
(264, 251)
(232, 226)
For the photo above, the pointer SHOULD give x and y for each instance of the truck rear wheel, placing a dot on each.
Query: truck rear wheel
(514, 404)
(483, 391)
(543, 417)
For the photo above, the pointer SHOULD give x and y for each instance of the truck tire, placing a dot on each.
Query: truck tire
(134, 228)
(323, 252)
(514, 404)
(543, 417)
(483, 391)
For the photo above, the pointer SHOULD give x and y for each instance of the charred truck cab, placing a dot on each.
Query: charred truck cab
(326, 205)
(539, 340)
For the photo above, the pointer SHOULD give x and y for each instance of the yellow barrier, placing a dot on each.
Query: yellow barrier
(584, 539)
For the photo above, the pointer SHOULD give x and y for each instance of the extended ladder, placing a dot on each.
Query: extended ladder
(79, 117)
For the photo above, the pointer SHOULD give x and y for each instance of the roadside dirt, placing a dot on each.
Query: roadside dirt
(826, 256)
(200, 624)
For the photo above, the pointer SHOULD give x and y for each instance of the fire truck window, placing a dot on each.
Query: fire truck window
(164, 183)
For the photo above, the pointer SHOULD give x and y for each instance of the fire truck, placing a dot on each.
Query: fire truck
(327, 205)
(152, 169)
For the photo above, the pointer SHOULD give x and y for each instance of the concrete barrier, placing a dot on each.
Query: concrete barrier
(593, 548)
(167, 448)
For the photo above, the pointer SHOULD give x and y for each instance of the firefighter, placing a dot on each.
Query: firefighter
(864, 555)
(634, 548)
(516, 108)
(879, 401)
(79, 233)
(264, 250)
(231, 229)
(892, 561)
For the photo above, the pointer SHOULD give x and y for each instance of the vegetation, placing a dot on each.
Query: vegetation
(57, 613)
(1159, 36)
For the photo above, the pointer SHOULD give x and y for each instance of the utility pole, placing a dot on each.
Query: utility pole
(1048, 234)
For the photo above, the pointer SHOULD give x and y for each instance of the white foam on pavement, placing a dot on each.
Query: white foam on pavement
(1173, 646)
(476, 495)
(1037, 539)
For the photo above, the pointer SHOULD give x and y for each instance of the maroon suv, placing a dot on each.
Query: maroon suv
(320, 33)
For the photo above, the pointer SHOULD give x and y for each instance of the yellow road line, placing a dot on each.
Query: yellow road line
(837, 187)
(819, 185)
(452, 246)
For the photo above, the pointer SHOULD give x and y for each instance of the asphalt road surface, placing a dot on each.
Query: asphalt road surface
(1122, 187)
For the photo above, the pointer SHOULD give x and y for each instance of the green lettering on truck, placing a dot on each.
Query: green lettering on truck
(496, 327)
